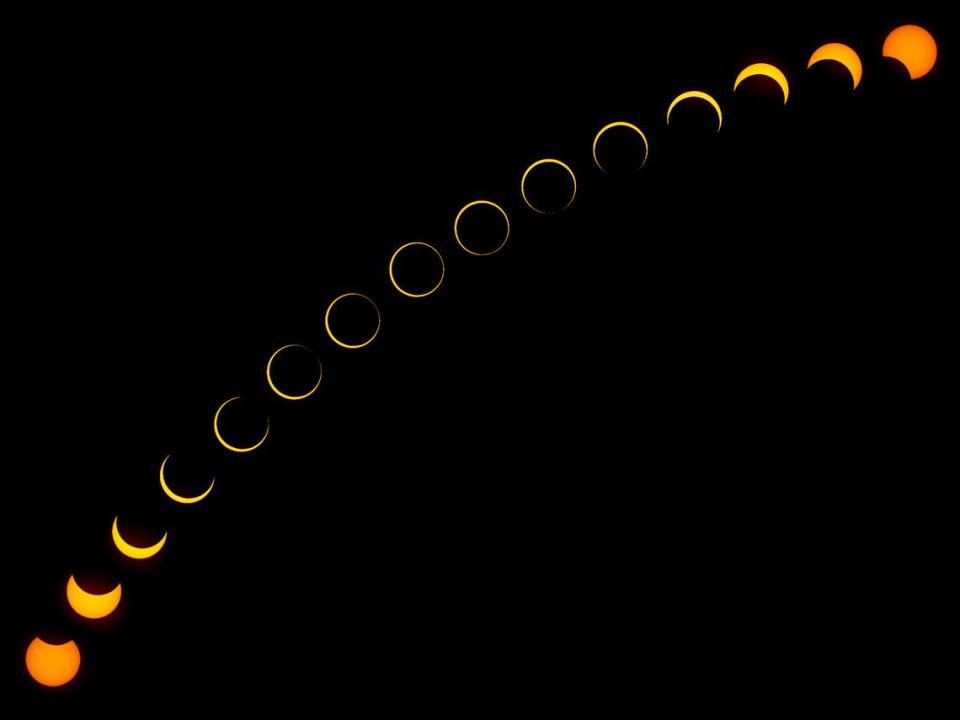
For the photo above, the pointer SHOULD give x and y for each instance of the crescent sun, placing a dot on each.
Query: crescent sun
(843, 54)
(180, 498)
(91, 605)
(228, 446)
(697, 95)
(765, 70)
(132, 551)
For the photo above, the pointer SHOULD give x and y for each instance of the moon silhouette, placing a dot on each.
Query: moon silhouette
(338, 341)
(228, 446)
(541, 163)
(476, 203)
(180, 498)
(431, 291)
(765, 70)
(621, 124)
(91, 605)
(914, 47)
(132, 551)
(697, 95)
(52, 665)
(843, 54)
(273, 385)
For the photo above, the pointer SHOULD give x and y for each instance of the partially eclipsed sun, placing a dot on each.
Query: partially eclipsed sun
(90, 605)
(843, 54)
(52, 665)
(765, 70)
(914, 47)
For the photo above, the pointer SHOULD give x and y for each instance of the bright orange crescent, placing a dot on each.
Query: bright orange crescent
(843, 54)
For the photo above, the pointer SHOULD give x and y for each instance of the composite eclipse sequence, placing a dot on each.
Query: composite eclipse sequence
(54, 665)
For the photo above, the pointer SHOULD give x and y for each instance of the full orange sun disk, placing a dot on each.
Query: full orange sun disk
(914, 47)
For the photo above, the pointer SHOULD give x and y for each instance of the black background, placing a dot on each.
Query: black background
(675, 441)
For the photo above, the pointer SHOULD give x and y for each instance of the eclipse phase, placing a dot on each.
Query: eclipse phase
(52, 665)
(914, 47)
(839, 53)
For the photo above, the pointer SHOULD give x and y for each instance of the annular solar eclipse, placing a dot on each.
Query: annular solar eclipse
(56, 664)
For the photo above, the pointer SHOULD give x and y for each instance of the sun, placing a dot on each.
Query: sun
(52, 665)
(914, 47)
(840, 53)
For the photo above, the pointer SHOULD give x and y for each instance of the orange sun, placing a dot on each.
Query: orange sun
(914, 47)
(52, 665)
(843, 54)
